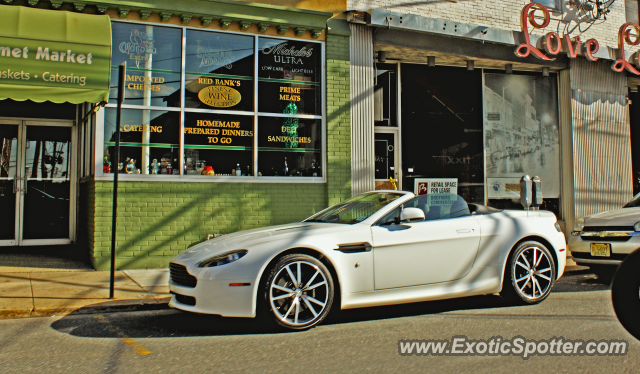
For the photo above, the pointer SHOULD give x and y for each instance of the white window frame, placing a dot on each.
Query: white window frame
(99, 124)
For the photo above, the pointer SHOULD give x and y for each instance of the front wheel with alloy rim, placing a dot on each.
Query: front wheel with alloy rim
(298, 292)
(530, 274)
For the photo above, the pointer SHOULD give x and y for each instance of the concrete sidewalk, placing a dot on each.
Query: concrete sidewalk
(37, 292)
(29, 292)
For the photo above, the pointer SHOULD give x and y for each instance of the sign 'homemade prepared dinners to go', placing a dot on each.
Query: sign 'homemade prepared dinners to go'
(219, 131)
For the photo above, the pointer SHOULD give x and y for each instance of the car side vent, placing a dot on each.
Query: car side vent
(181, 277)
(354, 247)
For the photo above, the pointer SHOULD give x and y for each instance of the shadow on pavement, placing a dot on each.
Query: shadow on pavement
(173, 323)
(580, 281)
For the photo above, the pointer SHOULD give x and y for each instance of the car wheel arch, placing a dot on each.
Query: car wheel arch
(306, 251)
(534, 238)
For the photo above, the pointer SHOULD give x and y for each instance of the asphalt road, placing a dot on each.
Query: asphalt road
(363, 340)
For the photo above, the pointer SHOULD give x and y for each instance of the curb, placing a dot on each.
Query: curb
(114, 306)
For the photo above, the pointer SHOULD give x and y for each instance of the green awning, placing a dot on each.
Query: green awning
(57, 56)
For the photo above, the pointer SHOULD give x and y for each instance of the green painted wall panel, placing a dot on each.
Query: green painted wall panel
(338, 118)
(158, 220)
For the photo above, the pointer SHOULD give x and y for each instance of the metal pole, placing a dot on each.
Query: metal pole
(114, 210)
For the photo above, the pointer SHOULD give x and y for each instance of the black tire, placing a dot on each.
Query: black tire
(309, 308)
(625, 294)
(515, 288)
(605, 273)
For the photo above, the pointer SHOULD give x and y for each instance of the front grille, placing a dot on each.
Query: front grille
(614, 256)
(181, 277)
(605, 239)
(186, 300)
(607, 228)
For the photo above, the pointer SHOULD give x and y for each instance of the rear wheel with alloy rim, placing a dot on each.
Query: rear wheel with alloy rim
(299, 292)
(530, 274)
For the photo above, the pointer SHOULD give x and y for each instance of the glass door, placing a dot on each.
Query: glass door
(47, 183)
(386, 164)
(37, 183)
(9, 210)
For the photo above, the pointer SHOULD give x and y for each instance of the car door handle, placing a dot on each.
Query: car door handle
(463, 231)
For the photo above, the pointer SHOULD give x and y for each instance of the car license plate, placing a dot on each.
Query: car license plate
(601, 249)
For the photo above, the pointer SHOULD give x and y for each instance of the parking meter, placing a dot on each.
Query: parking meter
(536, 190)
(525, 192)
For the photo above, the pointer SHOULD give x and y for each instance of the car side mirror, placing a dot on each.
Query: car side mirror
(411, 215)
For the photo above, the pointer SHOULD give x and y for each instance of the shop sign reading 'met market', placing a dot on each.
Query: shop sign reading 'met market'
(553, 43)
(48, 62)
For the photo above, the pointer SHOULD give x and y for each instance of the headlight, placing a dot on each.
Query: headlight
(557, 226)
(222, 259)
(577, 229)
(637, 226)
(579, 225)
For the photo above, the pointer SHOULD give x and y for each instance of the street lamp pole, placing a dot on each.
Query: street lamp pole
(114, 209)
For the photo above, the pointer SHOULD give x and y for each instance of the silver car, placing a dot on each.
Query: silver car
(603, 240)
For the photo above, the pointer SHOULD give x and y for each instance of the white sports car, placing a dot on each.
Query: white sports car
(378, 248)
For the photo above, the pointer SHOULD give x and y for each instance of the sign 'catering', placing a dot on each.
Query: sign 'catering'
(553, 44)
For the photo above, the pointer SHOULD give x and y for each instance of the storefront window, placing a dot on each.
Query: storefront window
(217, 123)
(289, 147)
(219, 71)
(442, 128)
(385, 97)
(521, 137)
(148, 142)
(218, 144)
(289, 76)
(153, 57)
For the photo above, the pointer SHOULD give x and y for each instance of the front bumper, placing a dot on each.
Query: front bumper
(215, 296)
(622, 244)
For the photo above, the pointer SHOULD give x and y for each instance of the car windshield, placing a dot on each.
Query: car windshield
(356, 209)
(634, 203)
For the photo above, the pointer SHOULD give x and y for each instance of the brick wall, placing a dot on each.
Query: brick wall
(90, 216)
(505, 14)
(338, 118)
(158, 220)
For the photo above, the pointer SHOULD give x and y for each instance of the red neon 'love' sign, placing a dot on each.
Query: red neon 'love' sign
(552, 42)
(624, 35)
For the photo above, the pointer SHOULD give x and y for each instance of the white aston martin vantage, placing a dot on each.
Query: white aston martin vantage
(378, 248)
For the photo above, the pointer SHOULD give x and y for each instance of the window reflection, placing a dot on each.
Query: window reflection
(289, 147)
(147, 142)
(219, 77)
(153, 56)
(219, 71)
(218, 145)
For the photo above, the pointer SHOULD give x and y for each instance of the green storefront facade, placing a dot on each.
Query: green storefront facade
(236, 116)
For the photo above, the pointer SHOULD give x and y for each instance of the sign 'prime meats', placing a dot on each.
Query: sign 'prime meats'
(553, 44)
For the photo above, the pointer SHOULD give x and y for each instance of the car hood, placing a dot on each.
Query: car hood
(256, 236)
(616, 217)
